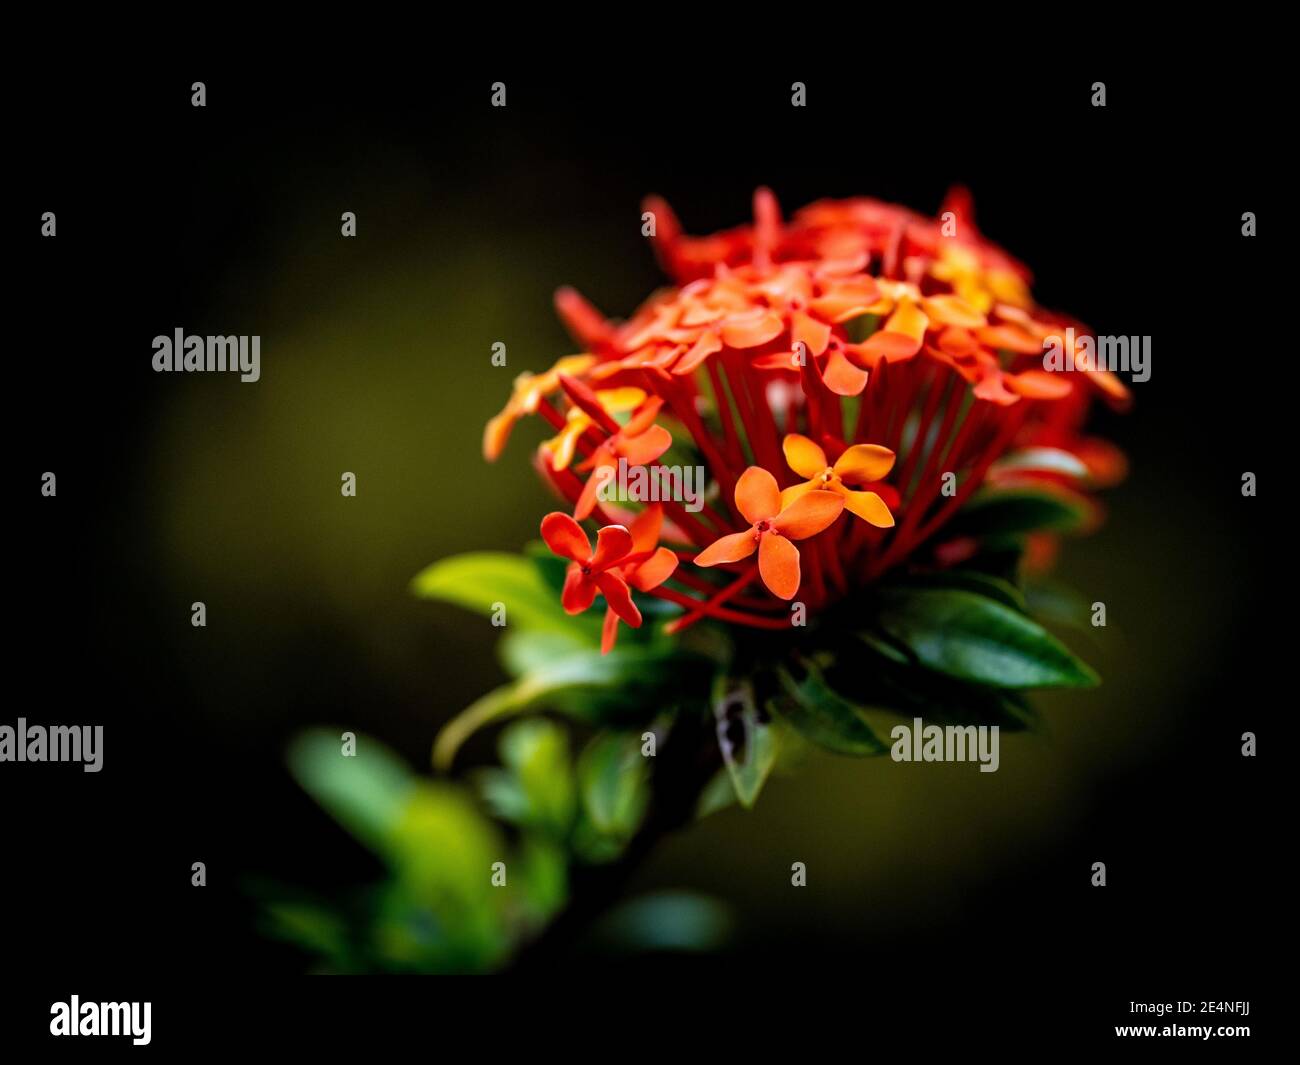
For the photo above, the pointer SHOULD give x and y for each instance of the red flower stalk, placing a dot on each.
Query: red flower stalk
(798, 360)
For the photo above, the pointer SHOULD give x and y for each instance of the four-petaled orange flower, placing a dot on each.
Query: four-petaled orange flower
(772, 528)
(589, 571)
(860, 464)
(646, 567)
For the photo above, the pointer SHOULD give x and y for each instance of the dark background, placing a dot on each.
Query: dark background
(375, 359)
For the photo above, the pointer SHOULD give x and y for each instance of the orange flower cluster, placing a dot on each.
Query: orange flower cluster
(832, 372)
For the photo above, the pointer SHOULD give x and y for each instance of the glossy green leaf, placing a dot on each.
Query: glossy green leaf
(543, 873)
(612, 777)
(746, 739)
(480, 580)
(1015, 511)
(977, 639)
(822, 715)
(536, 753)
(366, 792)
(968, 580)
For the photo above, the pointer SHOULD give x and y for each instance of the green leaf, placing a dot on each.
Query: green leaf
(977, 639)
(969, 580)
(612, 780)
(717, 795)
(543, 872)
(822, 715)
(583, 683)
(367, 793)
(504, 795)
(1014, 511)
(312, 927)
(942, 700)
(747, 742)
(480, 580)
(536, 752)
(886, 648)
(431, 835)
(524, 651)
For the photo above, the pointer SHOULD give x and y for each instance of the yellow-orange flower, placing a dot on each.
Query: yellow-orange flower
(860, 464)
(773, 525)
(527, 392)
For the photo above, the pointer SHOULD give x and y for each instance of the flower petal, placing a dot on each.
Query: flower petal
(643, 418)
(757, 495)
(809, 514)
(991, 388)
(585, 324)
(730, 548)
(751, 333)
(1009, 338)
(870, 507)
(778, 564)
(814, 335)
(707, 345)
(613, 543)
(841, 376)
(1112, 387)
(619, 400)
(645, 528)
(777, 360)
(892, 347)
(600, 476)
(565, 537)
(496, 433)
(565, 442)
(909, 320)
(654, 570)
(951, 310)
(608, 631)
(579, 590)
(803, 455)
(1038, 384)
(647, 447)
(789, 495)
(845, 300)
(958, 342)
(864, 462)
(618, 597)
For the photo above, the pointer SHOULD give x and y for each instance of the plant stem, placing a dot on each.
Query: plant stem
(682, 768)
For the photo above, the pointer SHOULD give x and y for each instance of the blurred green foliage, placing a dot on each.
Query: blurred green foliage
(470, 882)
